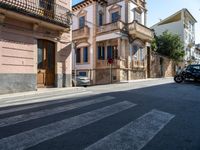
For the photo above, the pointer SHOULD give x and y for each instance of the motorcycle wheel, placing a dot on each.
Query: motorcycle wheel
(178, 79)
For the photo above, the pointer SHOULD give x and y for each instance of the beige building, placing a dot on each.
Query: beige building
(35, 46)
(98, 32)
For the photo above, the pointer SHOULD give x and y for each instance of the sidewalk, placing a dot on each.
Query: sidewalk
(42, 95)
(42, 91)
(131, 82)
(142, 80)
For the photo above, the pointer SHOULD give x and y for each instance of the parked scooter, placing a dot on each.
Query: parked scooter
(191, 72)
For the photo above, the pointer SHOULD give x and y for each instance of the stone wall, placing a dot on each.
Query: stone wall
(136, 74)
(161, 66)
(103, 76)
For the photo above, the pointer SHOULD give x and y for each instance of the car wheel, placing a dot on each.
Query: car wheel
(178, 79)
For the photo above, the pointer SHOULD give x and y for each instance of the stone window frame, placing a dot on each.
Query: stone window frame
(101, 45)
(82, 55)
(135, 11)
(113, 9)
(82, 13)
(101, 12)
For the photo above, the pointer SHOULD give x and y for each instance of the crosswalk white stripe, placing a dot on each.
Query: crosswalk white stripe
(34, 100)
(35, 136)
(43, 103)
(136, 134)
(48, 112)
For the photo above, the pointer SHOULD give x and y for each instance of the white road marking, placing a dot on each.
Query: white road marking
(136, 134)
(43, 102)
(35, 136)
(39, 99)
(47, 112)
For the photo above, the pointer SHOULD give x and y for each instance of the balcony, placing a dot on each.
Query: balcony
(102, 64)
(81, 33)
(140, 31)
(116, 64)
(44, 10)
(137, 63)
(109, 27)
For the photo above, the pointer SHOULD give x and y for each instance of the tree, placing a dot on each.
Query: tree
(170, 45)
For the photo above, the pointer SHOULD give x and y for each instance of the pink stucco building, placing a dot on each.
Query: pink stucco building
(35, 44)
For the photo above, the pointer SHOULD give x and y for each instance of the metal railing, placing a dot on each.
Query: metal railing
(41, 9)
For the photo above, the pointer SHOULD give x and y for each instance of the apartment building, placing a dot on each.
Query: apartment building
(111, 40)
(181, 23)
(35, 43)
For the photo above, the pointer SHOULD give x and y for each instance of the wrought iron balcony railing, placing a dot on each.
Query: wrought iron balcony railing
(45, 10)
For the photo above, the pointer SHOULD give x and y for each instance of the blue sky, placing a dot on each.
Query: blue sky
(160, 9)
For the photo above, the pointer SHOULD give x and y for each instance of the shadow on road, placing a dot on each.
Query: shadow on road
(182, 100)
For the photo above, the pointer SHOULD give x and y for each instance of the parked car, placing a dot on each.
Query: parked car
(191, 72)
(81, 81)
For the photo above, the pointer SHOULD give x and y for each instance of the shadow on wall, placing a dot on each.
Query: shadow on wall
(65, 61)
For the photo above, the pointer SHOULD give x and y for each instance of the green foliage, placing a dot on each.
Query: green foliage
(154, 45)
(170, 45)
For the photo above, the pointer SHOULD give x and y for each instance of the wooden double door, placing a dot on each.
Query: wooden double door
(46, 64)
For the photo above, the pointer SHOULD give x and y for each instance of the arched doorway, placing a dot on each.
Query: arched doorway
(46, 63)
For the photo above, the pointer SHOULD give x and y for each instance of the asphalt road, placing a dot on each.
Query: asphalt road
(146, 115)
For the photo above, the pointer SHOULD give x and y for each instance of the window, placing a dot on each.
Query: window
(78, 55)
(135, 52)
(109, 52)
(100, 19)
(85, 54)
(138, 17)
(82, 22)
(101, 52)
(141, 54)
(112, 52)
(115, 17)
(48, 5)
(83, 74)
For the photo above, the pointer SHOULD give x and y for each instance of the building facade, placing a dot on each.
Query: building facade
(111, 40)
(197, 53)
(35, 48)
(181, 23)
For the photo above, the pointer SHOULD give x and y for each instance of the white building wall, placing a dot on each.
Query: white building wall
(187, 34)
(131, 13)
(175, 28)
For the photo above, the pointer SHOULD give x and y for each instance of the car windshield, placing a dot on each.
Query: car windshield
(193, 68)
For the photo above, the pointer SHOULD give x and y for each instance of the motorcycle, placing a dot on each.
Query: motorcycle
(191, 72)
